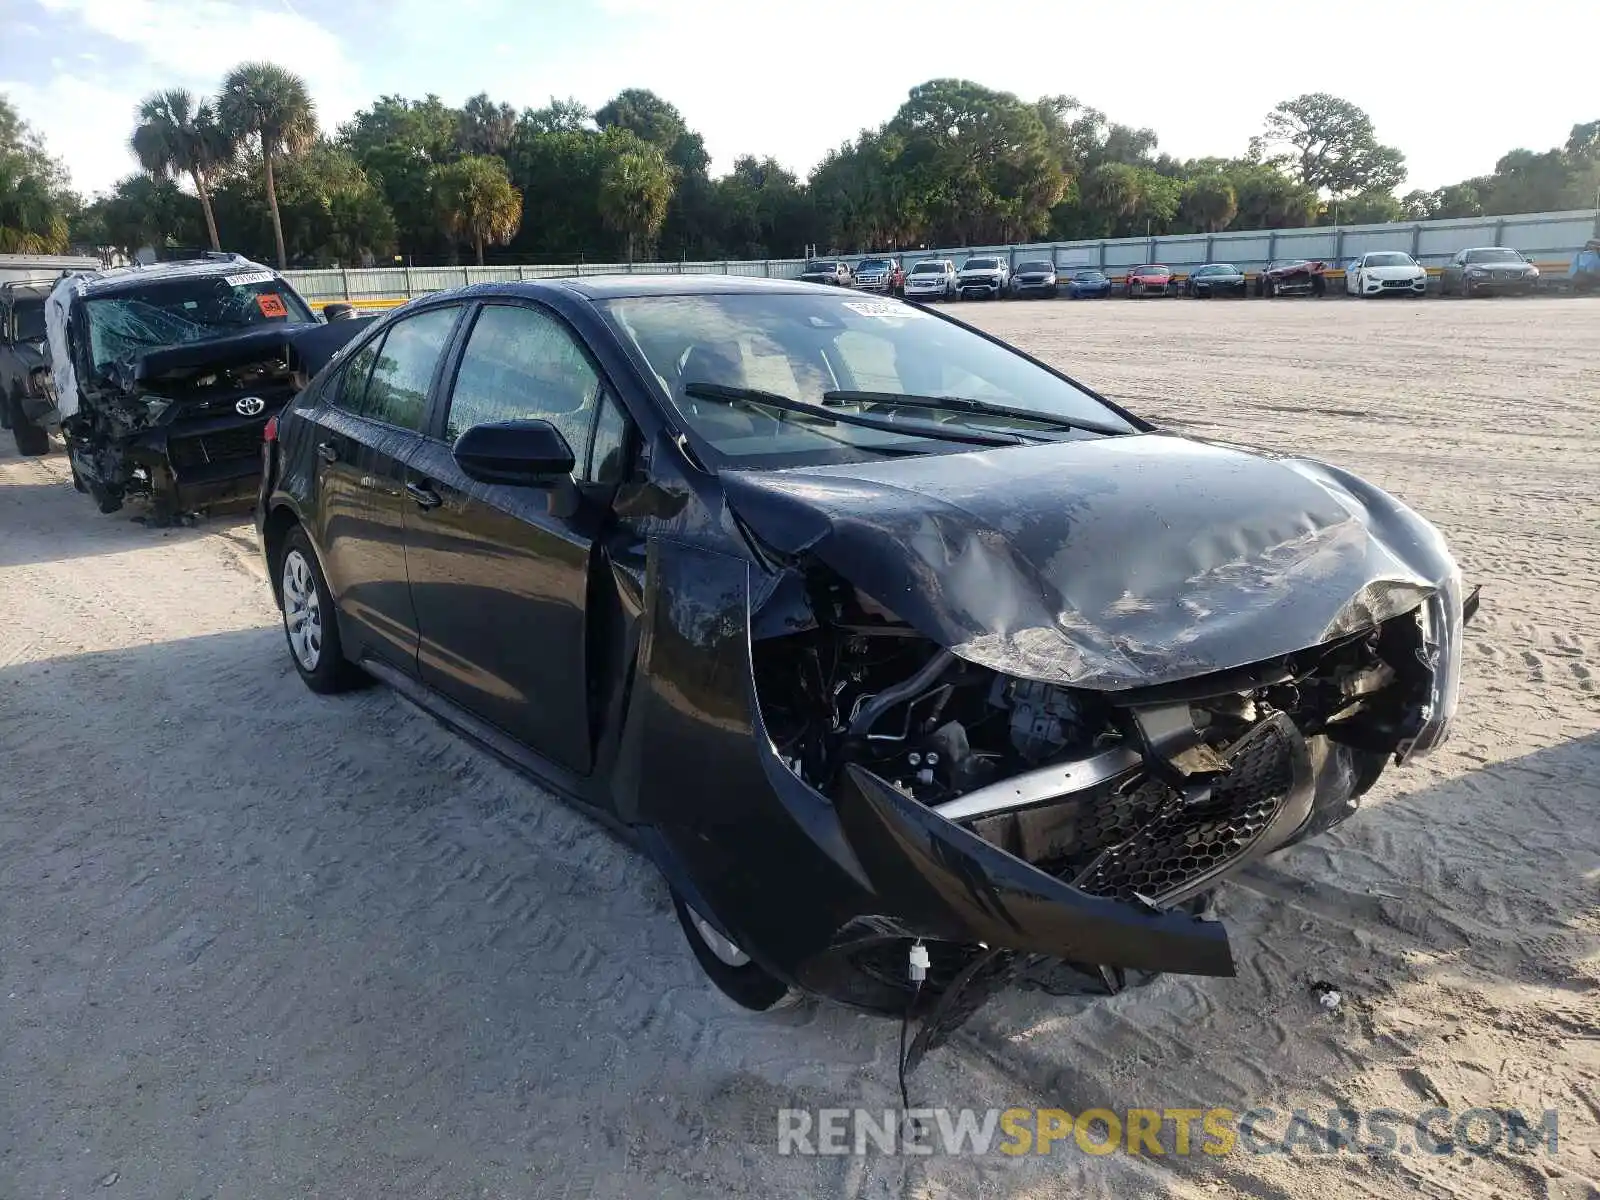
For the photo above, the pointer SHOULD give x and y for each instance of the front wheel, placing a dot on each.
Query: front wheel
(310, 623)
(733, 972)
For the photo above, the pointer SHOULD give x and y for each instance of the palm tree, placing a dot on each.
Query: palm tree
(271, 104)
(32, 220)
(635, 189)
(175, 136)
(476, 201)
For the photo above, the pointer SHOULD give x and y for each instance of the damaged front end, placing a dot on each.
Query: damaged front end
(163, 378)
(1069, 788)
(183, 430)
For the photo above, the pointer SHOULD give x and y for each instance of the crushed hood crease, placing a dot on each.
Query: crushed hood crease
(1106, 563)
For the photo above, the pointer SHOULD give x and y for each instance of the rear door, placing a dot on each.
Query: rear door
(369, 421)
(500, 581)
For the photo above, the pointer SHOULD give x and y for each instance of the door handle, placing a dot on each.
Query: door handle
(327, 452)
(424, 495)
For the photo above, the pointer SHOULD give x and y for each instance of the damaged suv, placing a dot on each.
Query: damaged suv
(911, 662)
(163, 376)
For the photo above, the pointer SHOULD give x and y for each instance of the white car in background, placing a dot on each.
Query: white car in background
(1385, 273)
(931, 279)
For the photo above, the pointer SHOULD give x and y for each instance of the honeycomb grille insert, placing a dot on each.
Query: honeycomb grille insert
(1150, 844)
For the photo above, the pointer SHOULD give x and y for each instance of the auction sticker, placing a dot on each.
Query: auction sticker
(882, 308)
(271, 305)
(248, 278)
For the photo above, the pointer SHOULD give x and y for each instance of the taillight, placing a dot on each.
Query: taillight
(269, 432)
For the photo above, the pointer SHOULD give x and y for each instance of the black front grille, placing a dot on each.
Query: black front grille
(1149, 843)
(224, 445)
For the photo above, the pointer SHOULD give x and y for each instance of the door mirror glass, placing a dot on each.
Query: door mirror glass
(518, 453)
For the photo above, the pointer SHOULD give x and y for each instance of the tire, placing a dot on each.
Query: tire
(313, 641)
(1269, 289)
(32, 441)
(744, 982)
(5, 412)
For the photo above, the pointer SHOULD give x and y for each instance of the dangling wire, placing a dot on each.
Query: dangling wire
(905, 1025)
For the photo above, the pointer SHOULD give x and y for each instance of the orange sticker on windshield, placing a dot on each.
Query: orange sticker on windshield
(271, 305)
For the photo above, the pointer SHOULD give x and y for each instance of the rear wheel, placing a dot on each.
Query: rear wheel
(726, 965)
(32, 441)
(310, 623)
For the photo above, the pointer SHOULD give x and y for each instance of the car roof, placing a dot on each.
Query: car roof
(611, 287)
(29, 287)
(116, 279)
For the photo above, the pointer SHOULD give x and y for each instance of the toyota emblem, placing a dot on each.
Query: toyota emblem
(249, 406)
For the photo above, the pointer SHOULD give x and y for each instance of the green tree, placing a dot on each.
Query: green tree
(980, 164)
(178, 136)
(1209, 202)
(486, 127)
(477, 203)
(272, 105)
(141, 211)
(330, 211)
(398, 143)
(1330, 145)
(36, 205)
(636, 186)
(1269, 199)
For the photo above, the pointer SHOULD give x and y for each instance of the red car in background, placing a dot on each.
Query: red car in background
(1151, 279)
(1292, 277)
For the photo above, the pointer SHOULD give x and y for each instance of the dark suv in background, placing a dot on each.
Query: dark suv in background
(24, 363)
(827, 270)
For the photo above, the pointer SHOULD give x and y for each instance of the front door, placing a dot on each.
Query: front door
(499, 580)
(368, 424)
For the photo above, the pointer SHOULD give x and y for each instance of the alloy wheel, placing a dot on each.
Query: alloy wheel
(725, 951)
(302, 610)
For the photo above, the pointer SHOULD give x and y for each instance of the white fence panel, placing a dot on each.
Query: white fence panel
(1546, 237)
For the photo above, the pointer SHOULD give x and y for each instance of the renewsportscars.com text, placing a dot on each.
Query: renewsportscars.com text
(1175, 1132)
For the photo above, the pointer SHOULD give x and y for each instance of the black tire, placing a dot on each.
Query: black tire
(327, 670)
(32, 441)
(747, 984)
(5, 412)
(1269, 289)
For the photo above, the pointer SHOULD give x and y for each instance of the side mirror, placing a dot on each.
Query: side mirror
(518, 453)
(338, 311)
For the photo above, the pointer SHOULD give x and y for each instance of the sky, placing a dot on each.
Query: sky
(1454, 85)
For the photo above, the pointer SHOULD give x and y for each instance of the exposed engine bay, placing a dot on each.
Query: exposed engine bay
(1148, 795)
(158, 439)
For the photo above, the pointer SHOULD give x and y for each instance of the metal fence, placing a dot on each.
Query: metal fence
(1549, 238)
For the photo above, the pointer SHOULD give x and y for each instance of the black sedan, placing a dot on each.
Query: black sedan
(1215, 279)
(909, 661)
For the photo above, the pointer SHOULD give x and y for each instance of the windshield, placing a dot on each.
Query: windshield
(875, 264)
(1151, 269)
(1089, 276)
(30, 320)
(172, 312)
(1390, 260)
(928, 268)
(821, 266)
(980, 264)
(1035, 266)
(803, 347)
(1218, 269)
(1493, 256)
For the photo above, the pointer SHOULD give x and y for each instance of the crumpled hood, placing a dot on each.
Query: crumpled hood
(1106, 563)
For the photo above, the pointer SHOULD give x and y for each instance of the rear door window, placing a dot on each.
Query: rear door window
(402, 371)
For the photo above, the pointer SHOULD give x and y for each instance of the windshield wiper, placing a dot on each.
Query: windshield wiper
(962, 404)
(970, 437)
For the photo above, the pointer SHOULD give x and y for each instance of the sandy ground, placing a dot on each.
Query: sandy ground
(254, 942)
